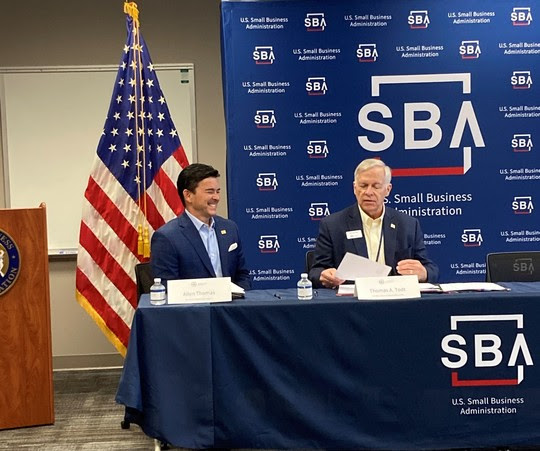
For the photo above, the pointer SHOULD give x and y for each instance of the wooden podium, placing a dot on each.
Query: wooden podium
(26, 388)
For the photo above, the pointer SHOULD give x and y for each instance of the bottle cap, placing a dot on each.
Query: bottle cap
(304, 275)
(157, 280)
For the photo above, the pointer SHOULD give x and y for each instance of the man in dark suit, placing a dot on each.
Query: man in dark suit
(371, 230)
(198, 243)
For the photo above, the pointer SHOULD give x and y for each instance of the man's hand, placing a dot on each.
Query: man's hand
(328, 278)
(409, 267)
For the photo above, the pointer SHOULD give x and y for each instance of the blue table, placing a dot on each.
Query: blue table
(270, 371)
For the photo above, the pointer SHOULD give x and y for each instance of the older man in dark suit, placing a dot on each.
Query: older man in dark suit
(198, 243)
(374, 231)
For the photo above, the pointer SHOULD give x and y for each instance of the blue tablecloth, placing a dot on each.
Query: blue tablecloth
(270, 371)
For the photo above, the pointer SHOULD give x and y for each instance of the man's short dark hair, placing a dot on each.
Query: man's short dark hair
(190, 177)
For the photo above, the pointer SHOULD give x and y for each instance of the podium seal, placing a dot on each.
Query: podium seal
(10, 262)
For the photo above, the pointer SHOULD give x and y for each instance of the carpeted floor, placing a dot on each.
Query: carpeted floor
(86, 418)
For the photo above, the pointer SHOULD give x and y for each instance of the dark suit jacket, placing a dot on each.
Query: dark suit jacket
(403, 239)
(177, 252)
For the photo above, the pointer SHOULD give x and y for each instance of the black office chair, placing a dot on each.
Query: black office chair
(513, 266)
(144, 278)
(310, 259)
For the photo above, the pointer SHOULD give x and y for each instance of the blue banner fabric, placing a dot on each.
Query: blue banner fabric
(443, 92)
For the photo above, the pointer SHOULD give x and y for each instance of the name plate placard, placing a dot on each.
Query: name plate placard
(199, 291)
(396, 287)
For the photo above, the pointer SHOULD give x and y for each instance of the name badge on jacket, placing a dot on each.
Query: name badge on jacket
(353, 234)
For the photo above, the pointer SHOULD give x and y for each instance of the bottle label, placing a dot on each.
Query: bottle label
(157, 295)
(305, 292)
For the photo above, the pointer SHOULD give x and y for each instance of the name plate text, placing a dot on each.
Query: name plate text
(199, 291)
(395, 287)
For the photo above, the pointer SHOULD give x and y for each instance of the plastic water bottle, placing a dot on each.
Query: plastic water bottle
(158, 295)
(304, 288)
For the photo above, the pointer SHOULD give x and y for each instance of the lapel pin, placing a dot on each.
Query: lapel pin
(223, 232)
(393, 225)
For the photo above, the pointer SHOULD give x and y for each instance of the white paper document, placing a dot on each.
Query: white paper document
(237, 291)
(345, 290)
(236, 288)
(426, 287)
(471, 286)
(354, 266)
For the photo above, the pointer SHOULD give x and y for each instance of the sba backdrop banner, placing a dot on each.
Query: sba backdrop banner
(445, 93)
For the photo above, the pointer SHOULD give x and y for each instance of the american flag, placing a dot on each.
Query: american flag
(131, 190)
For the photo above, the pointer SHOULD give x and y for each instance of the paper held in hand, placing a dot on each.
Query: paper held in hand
(353, 266)
(197, 291)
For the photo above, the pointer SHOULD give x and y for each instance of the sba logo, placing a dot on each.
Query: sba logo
(521, 16)
(420, 117)
(523, 265)
(521, 79)
(472, 237)
(522, 142)
(522, 205)
(470, 50)
(268, 244)
(315, 22)
(267, 181)
(264, 54)
(487, 351)
(418, 19)
(317, 149)
(316, 86)
(367, 53)
(265, 119)
(318, 210)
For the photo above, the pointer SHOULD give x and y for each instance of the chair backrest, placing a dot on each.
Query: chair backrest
(310, 259)
(144, 278)
(513, 266)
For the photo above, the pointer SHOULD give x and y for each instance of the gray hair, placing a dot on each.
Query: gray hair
(370, 163)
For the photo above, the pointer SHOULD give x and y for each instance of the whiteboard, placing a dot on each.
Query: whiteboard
(50, 132)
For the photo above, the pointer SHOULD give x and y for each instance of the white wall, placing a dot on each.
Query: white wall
(65, 33)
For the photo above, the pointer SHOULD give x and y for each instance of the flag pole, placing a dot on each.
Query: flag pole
(143, 241)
